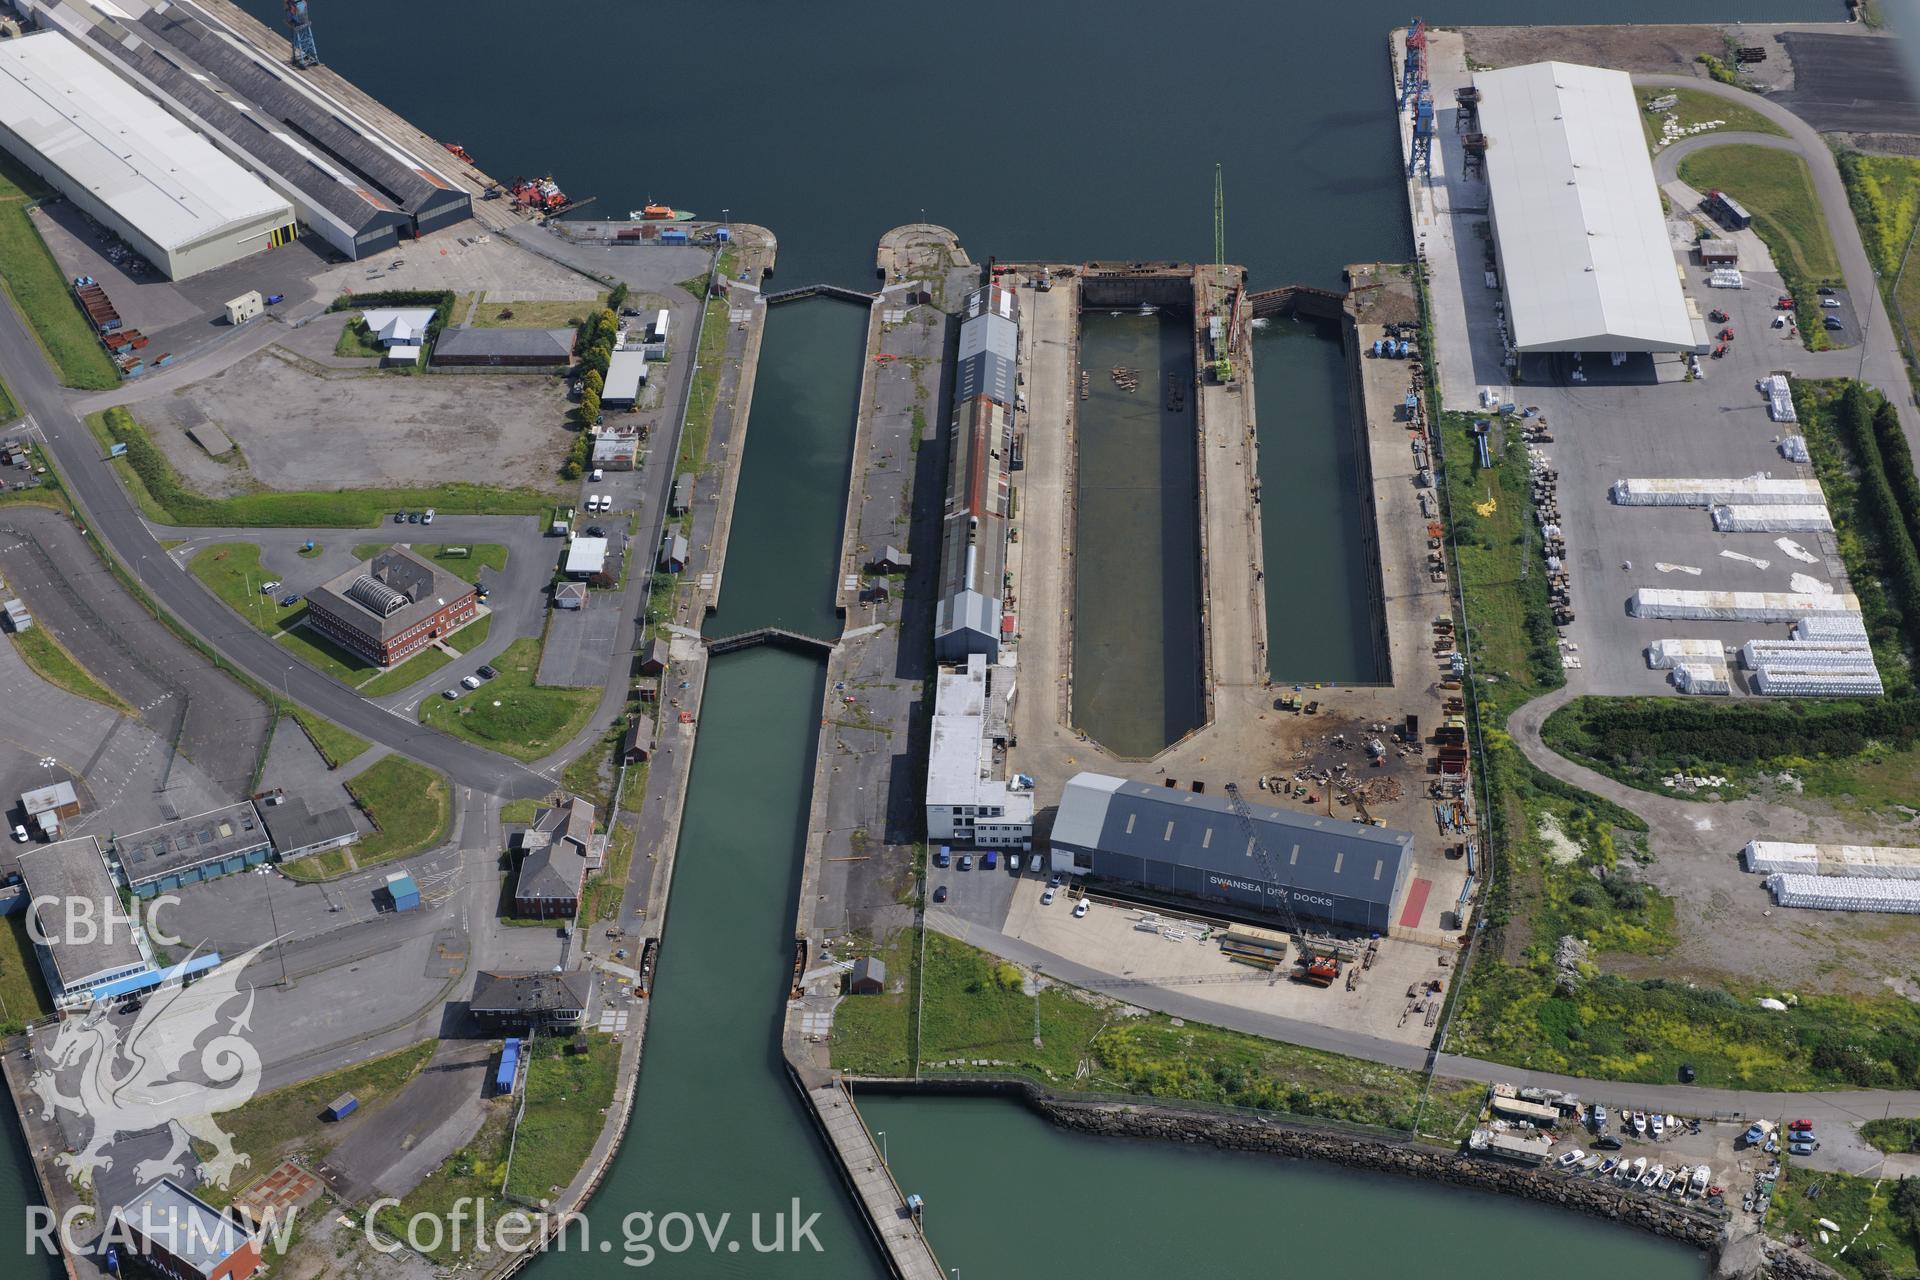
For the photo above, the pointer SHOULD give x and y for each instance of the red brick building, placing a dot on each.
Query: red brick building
(392, 607)
(168, 1231)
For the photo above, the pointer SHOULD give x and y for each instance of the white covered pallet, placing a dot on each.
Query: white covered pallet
(1737, 606)
(1890, 862)
(1842, 655)
(1662, 654)
(1755, 489)
(1818, 684)
(1746, 517)
(1702, 677)
(1845, 893)
(1830, 626)
(1779, 398)
(1794, 449)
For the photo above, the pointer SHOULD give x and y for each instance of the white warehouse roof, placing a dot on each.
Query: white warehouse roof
(1584, 253)
(167, 181)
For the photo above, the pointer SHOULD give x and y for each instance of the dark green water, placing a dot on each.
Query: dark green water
(1103, 1208)
(1136, 541)
(1310, 476)
(1065, 143)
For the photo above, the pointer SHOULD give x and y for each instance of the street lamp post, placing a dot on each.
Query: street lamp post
(882, 1135)
(1866, 329)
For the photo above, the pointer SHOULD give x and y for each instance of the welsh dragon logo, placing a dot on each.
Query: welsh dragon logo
(157, 1072)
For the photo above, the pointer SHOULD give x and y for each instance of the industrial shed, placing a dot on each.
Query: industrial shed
(176, 854)
(123, 160)
(1585, 260)
(1342, 873)
(357, 187)
(504, 348)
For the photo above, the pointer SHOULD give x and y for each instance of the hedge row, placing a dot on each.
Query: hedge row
(1630, 730)
(1881, 506)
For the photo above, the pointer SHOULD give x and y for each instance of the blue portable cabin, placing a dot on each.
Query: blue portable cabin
(673, 235)
(503, 1079)
(404, 892)
(342, 1107)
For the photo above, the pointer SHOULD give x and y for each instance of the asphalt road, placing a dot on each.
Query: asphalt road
(116, 520)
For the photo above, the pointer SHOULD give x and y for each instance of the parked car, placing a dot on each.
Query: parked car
(595, 531)
(1606, 1143)
(270, 586)
(452, 693)
(942, 858)
(1833, 324)
(1824, 289)
(289, 600)
(428, 517)
(1829, 302)
(597, 475)
(486, 673)
(990, 860)
(1080, 908)
(1046, 897)
(966, 862)
(413, 517)
(19, 833)
(1053, 881)
(1798, 1125)
(940, 893)
(1802, 1148)
(399, 517)
(1013, 862)
(471, 682)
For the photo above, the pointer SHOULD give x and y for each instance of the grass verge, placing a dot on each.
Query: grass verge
(1884, 192)
(706, 384)
(977, 1009)
(34, 280)
(288, 1120)
(480, 555)
(1777, 190)
(23, 991)
(418, 667)
(356, 340)
(52, 662)
(409, 803)
(1697, 107)
(568, 1094)
(336, 745)
(512, 714)
(548, 313)
(600, 900)
(472, 1175)
(165, 499)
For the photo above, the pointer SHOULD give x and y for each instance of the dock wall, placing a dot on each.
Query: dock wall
(1365, 470)
(1303, 1140)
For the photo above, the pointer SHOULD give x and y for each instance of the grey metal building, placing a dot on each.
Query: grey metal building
(1333, 871)
(354, 185)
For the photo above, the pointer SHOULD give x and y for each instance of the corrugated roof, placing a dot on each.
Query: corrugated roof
(1310, 851)
(1584, 252)
(166, 181)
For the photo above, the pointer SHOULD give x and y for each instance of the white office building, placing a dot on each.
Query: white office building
(969, 800)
